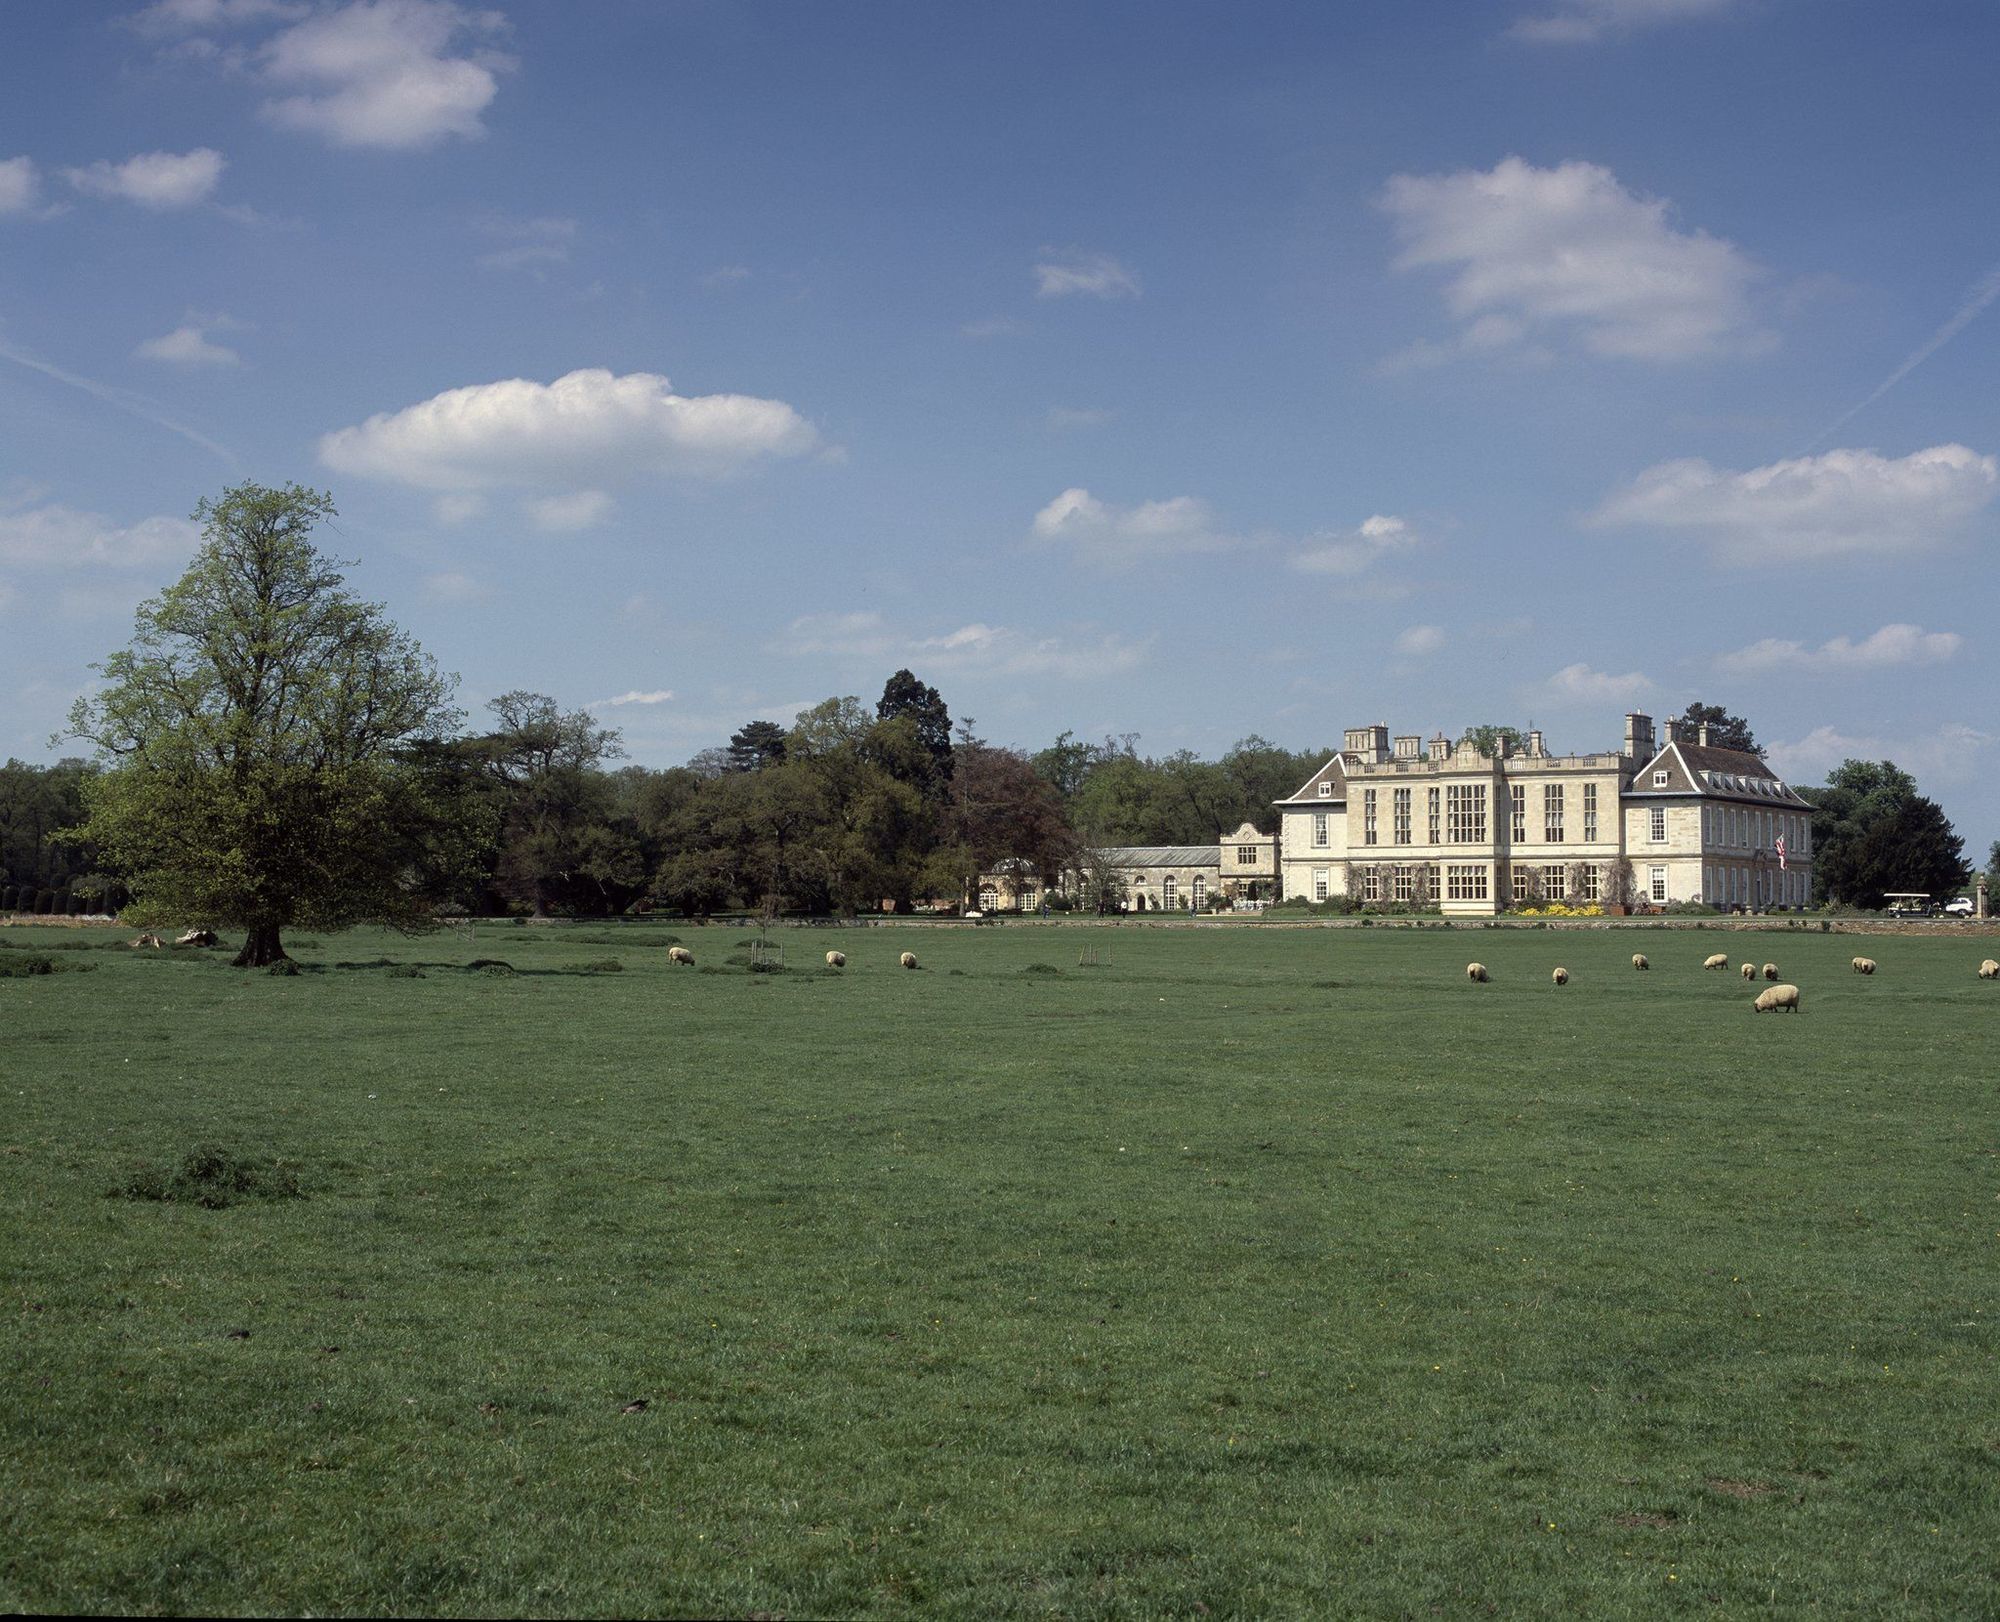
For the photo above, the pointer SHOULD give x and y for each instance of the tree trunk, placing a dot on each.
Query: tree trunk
(261, 947)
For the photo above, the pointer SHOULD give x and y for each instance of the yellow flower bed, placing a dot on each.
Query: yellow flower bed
(1556, 909)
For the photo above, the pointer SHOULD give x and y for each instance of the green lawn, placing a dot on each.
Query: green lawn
(1249, 1271)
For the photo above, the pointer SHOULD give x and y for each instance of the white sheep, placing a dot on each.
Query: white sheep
(1989, 970)
(1770, 971)
(1786, 997)
(1476, 972)
(1561, 977)
(1749, 971)
(836, 960)
(1639, 961)
(1864, 965)
(1716, 960)
(680, 954)
(908, 960)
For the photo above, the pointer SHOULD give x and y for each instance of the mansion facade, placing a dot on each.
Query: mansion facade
(1400, 821)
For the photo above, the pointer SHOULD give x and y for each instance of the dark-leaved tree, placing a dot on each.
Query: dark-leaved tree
(1725, 731)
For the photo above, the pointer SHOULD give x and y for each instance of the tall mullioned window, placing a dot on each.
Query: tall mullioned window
(1659, 829)
(1368, 816)
(1433, 796)
(1590, 813)
(1520, 881)
(1555, 883)
(1246, 855)
(1517, 797)
(1405, 882)
(1465, 883)
(1552, 813)
(1319, 884)
(1465, 813)
(1401, 809)
(1371, 884)
(1593, 883)
(1319, 827)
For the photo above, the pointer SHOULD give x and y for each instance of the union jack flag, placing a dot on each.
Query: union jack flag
(1781, 853)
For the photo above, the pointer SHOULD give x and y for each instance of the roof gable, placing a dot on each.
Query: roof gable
(1334, 772)
(1703, 769)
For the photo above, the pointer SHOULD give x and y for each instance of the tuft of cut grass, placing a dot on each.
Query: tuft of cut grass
(213, 1178)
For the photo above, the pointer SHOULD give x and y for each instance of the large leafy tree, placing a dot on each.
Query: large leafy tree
(1873, 833)
(559, 839)
(260, 738)
(755, 745)
(904, 698)
(1725, 731)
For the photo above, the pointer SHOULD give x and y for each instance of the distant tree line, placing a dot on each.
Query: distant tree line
(272, 751)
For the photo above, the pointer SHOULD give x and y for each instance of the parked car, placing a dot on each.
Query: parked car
(1958, 907)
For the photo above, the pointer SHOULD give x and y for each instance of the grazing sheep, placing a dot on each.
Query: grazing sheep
(836, 960)
(1770, 971)
(1716, 960)
(680, 954)
(1749, 971)
(1989, 970)
(908, 960)
(1864, 965)
(1639, 961)
(1561, 977)
(1771, 997)
(153, 941)
(197, 937)
(1476, 971)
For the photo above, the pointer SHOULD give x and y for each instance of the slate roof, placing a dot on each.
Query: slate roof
(1725, 774)
(1161, 855)
(1334, 771)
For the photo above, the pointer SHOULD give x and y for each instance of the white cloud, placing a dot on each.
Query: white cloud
(1071, 271)
(189, 16)
(189, 346)
(380, 73)
(1952, 753)
(570, 511)
(1354, 552)
(20, 187)
(1891, 646)
(59, 537)
(975, 649)
(1578, 684)
(1569, 252)
(659, 696)
(1115, 536)
(1580, 21)
(1420, 640)
(1845, 503)
(586, 428)
(158, 180)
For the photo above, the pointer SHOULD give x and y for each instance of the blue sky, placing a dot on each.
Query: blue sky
(1186, 369)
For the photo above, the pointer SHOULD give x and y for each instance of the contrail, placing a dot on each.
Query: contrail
(133, 404)
(1983, 293)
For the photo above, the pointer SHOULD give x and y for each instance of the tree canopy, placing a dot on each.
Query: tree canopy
(258, 739)
(1873, 833)
(1725, 731)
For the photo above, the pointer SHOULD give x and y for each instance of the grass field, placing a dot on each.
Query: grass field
(1246, 1272)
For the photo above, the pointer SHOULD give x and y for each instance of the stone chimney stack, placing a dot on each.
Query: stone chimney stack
(1639, 735)
(1701, 734)
(1535, 743)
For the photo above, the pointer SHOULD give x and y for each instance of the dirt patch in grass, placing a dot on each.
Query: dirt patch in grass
(1738, 1489)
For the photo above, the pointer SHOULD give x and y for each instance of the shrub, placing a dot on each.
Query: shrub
(284, 968)
(489, 965)
(8, 896)
(603, 965)
(45, 901)
(1041, 968)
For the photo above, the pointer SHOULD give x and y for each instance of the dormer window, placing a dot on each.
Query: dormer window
(1326, 791)
(1659, 780)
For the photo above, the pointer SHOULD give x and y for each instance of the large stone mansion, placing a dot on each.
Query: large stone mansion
(1398, 820)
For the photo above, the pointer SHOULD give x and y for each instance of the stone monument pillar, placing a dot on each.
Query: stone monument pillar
(1979, 902)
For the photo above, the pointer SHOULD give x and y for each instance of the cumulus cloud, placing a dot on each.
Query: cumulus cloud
(584, 429)
(1569, 254)
(1115, 536)
(20, 187)
(1356, 551)
(59, 537)
(1845, 503)
(157, 180)
(191, 16)
(1063, 273)
(1575, 22)
(661, 695)
(1892, 645)
(1952, 753)
(1578, 684)
(975, 649)
(189, 345)
(1420, 640)
(570, 511)
(383, 73)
